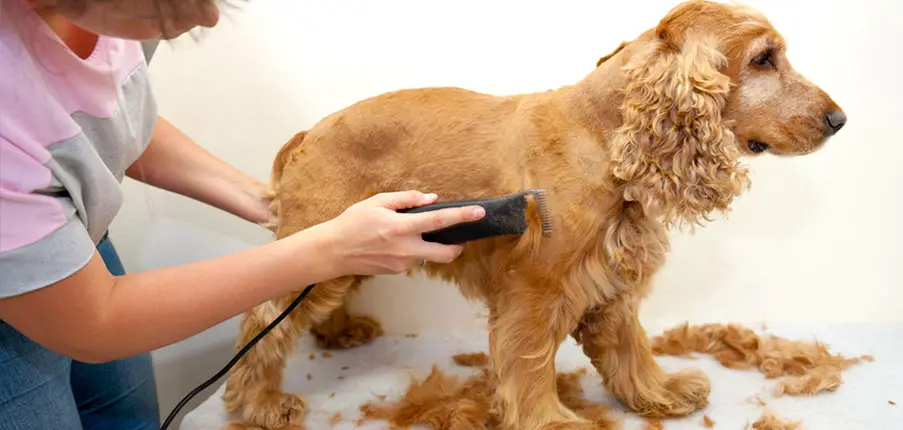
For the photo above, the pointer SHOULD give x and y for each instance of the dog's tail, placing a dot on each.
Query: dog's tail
(282, 158)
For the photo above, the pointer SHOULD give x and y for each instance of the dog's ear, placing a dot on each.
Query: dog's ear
(673, 153)
(613, 53)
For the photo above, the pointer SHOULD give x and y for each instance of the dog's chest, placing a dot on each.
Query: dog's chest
(621, 251)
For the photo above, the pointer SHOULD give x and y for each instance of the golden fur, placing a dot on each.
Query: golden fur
(806, 367)
(648, 140)
(445, 403)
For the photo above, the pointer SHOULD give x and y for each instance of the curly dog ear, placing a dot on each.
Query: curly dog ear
(673, 153)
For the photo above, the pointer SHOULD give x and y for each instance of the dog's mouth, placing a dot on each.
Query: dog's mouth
(757, 146)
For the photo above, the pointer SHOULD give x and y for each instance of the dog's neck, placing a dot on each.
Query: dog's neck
(595, 101)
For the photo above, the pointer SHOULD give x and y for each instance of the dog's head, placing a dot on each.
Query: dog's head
(707, 85)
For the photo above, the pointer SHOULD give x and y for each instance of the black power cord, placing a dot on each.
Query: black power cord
(238, 355)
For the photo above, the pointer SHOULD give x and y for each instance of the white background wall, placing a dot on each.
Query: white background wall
(816, 238)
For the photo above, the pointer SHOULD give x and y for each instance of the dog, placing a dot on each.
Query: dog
(650, 140)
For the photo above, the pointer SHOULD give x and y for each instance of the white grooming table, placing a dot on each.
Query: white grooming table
(385, 367)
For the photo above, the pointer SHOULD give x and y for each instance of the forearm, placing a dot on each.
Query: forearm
(152, 309)
(95, 317)
(174, 162)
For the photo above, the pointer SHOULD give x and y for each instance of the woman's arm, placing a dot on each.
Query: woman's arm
(94, 317)
(174, 162)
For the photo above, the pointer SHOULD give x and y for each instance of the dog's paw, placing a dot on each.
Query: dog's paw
(276, 410)
(241, 425)
(681, 394)
(691, 390)
(572, 425)
(356, 331)
(558, 417)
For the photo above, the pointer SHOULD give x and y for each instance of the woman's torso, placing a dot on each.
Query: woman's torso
(69, 129)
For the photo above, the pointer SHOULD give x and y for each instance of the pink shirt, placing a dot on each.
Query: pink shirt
(69, 128)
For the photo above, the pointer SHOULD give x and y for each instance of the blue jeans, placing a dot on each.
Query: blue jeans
(42, 390)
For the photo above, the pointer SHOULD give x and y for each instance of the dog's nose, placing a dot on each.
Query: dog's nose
(835, 120)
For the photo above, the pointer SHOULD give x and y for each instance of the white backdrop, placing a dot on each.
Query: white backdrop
(815, 240)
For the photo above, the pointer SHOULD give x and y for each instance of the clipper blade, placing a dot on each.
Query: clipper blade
(542, 205)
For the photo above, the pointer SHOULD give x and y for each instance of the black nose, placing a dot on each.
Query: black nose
(835, 120)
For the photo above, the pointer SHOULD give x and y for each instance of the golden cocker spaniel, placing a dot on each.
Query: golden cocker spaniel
(649, 140)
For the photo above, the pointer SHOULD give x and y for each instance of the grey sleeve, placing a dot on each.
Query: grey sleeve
(51, 259)
(149, 49)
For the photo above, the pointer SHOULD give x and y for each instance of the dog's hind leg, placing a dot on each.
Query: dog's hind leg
(343, 330)
(254, 387)
(614, 340)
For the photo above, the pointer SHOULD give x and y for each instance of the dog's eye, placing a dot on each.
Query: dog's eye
(757, 146)
(764, 61)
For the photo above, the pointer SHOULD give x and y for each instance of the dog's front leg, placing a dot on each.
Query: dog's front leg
(614, 340)
(527, 325)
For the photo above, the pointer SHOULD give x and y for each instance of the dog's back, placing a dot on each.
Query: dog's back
(453, 142)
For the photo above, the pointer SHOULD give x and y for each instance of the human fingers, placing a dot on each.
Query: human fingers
(442, 218)
(439, 253)
(403, 199)
(417, 251)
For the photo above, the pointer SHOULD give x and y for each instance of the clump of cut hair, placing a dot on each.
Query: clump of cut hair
(444, 402)
(771, 420)
(475, 359)
(807, 367)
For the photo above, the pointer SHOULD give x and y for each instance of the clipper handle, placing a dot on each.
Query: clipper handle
(504, 216)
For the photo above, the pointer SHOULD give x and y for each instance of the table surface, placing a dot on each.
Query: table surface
(386, 366)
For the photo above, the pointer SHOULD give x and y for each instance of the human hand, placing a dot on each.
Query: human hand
(371, 238)
(257, 198)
